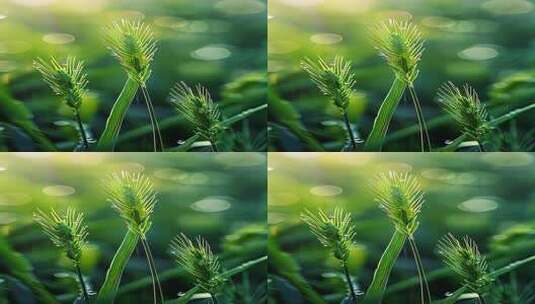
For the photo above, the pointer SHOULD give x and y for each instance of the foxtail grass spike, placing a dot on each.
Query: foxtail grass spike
(133, 44)
(335, 80)
(464, 259)
(199, 261)
(466, 110)
(336, 232)
(400, 196)
(401, 45)
(68, 81)
(69, 233)
(133, 196)
(200, 111)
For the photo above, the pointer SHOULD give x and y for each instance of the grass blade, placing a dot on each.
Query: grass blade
(227, 274)
(15, 264)
(377, 287)
(110, 286)
(117, 114)
(384, 116)
(494, 275)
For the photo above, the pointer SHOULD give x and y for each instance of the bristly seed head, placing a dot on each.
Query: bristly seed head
(464, 259)
(68, 232)
(334, 80)
(199, 261)
(134, 198)
(466, 109)
(198, 109)
(335, 231)
(133, 44)
(401, 44)
(67, 80)
(400, 196)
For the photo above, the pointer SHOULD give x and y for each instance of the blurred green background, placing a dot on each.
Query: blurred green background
(489, 44)
(489, 197)
(220, 44)
(199, 194)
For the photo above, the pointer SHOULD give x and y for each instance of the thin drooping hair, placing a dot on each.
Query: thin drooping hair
(400, 43)
(67, 231)
(199, 261)
(335, 231)
(197, 107)
(67, 80)
(335, 80)
(134, 46)
(401, 197)
(466, 109)
(463, 258)
(133, 196)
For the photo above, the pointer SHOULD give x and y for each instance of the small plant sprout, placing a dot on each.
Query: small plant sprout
(199, 261)
(466, 109)
(401, 198)
(199, 110)
(335, 80)
(336, 232)
(68, 81)
(400, 43)
(463, 258)
(69, 233)
(133, 44)
(133, 196)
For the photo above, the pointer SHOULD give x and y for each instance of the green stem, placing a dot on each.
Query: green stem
(377, 287)
(424, 133)
(350, 284)
(109, 288)
(424, 286)
(350, 132)
(384, 116)
(81, 129)
(214, 299)
(82, 283)
(117, 114)
(213, 143)
(156, 134)
(153, 270)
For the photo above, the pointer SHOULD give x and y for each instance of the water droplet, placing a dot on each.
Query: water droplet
(507, 7)
(7, 218)
(211, 52)
(326, 38)
(479, 204)
(240, 7)
(59, 190)
(479, 52)
(58, 38)
(326, 190)
(212, 204)
(34, 3)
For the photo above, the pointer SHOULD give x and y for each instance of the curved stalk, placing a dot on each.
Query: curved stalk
(350, 284)
(384, 116)
(82, 283)
(424, 133)
(153, 271)
(424, 285)
(156, 134)
(350, 132)
(115, 119)
(214, 299)
(377, 287)
(81, 129)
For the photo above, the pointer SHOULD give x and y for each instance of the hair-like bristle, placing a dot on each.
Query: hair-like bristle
(67, 231)
(199, 261)
(198, 108)
(66, 80)
(335, 231)
(463, 258)
(400, 196)
(401, 44)
(335, 80)
(466, 109)
(134, 198)
(133, 44)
